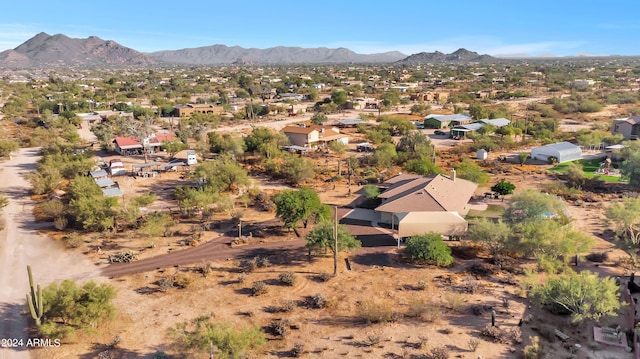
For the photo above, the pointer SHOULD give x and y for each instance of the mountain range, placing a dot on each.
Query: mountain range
(44, 50)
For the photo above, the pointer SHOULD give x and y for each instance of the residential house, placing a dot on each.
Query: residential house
(126, 146)
(190, 109)
(443, 121)
(313, 136)
(154, 142)
(422, 204)
(628, 127)
(262, 92)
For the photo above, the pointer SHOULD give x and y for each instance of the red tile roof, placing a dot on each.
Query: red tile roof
(123, 142)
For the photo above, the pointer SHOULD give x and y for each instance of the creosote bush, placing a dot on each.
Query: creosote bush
(259, 288)
(287, 278)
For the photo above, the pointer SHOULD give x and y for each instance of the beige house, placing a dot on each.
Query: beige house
(422, 204)
(314, 136)
(628, 127)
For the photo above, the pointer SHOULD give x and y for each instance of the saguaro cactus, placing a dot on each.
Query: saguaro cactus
(34, 299)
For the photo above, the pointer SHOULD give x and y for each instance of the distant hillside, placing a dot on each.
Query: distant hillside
(58, 50)
(459, 56)
(221, 54)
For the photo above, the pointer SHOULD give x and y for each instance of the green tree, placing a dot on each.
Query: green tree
(319, 118)
(429, 248)
(371, 191)
(384, 155)
(390, 98)
(584, 295)
(201, 335)
(625, 218)
(630, 169)
(339, 97)
(503, 188)
(471, 171)
(522, 157)
(532, 206)
(301, 205)
(422, 166)
(321, 237)
(478, 112)
(223, 174)
(494, 236)
(68, 306)
(173, 147)
(8, 146)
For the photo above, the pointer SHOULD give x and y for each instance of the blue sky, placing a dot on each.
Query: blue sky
(499, 28)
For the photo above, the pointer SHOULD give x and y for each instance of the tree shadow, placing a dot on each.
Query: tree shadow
(14, 326)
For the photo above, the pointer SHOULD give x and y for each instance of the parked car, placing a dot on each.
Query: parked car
(439, 133)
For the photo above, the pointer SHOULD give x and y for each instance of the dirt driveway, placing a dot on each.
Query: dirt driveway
(21, 245)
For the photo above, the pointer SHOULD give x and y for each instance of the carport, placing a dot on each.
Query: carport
(418, 223)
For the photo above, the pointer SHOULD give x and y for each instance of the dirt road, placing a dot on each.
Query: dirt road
(217, 249)
(21, 245)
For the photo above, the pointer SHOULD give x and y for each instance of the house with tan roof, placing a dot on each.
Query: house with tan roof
(628, 127)
(415, 204)
(314, 136)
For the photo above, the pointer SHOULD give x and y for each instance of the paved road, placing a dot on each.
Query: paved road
(21, 245)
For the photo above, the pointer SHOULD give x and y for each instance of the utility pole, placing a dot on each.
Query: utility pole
(335, 242)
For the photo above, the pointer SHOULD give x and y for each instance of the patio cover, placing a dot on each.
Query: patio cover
(418, 223)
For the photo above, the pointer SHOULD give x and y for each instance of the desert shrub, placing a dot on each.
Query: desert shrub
(241, 278)
(455, 300)
(495, 334)
(438, 353)
(298, 350)
(318, 301)
(124, 257)
(471, 285)
(263, 262)
(481, 268)
(429, 248)
(373, 339)
(259, 288)
(598, 257)
(324, 276)
(548, 332)
(72, 240)
(534, 350)
(165, 283)
(183, 281)
(204, 268)
(515, 335)
(287, 278)
(279, 327)
(200, 334)
(60, 223)
(422, 284)
(375, 312)
(288, 305)
(425, 310)
(473, 344)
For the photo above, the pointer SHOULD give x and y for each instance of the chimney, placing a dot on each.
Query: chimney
(453, 174)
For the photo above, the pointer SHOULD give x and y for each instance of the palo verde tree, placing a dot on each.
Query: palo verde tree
(67, 307)
(201, 335)
(625, 217)
(584, 295)
(494, 236)
(322, 237)
(471, 171)
(301, 205)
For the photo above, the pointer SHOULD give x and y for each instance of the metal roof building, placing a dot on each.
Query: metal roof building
(561, 151)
